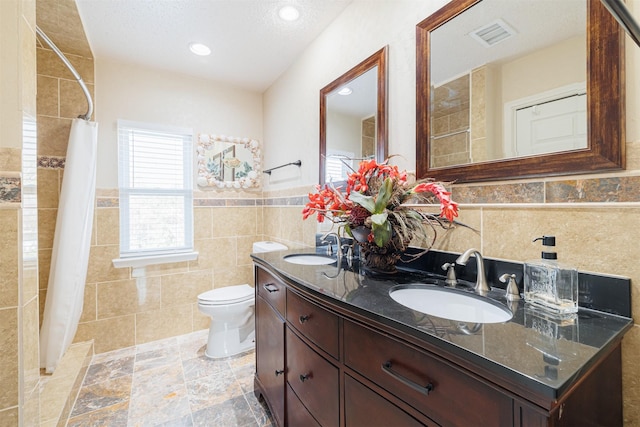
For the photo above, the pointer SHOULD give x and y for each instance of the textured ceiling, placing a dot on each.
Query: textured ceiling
(251, 46)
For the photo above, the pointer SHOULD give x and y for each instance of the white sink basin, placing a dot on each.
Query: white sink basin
(450, 304)
(309, 259)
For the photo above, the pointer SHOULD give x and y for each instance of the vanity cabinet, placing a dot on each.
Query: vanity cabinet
(270, 339)
(320, 362)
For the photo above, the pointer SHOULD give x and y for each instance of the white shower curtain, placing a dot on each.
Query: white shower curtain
(71, 244)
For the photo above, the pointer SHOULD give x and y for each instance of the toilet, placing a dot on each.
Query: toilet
(231, 309)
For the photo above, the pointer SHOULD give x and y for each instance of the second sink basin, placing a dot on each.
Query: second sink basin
(309, 259)
(450, 303)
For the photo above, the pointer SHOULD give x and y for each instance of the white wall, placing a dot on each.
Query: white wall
(132, 92)
(292, 103)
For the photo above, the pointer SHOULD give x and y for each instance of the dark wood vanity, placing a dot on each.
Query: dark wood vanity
(322, 361)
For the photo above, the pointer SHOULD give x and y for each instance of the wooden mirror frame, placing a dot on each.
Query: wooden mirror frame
(378, 59)
(605, 107)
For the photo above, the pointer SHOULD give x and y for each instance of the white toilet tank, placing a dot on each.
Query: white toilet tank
(267, 246)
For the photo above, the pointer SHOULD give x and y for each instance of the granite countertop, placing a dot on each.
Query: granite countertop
(543, 353)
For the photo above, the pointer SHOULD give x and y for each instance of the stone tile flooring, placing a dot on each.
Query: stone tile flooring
(169, 383)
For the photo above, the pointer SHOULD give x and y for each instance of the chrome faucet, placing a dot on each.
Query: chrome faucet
(324, 239)
(482, 287)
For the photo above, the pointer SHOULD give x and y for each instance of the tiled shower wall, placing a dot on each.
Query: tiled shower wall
(60, 100)
(19, 370)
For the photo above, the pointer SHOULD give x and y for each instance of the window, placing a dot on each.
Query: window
(339, 164)
(156, 191)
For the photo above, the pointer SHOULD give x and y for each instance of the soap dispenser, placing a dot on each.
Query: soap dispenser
(551, 285)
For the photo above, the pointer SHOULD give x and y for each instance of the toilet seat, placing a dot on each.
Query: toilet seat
(226, 295)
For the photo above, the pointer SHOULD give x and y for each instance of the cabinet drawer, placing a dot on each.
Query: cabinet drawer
(297, 414)
(271, 289)
(314, 380)
(314, 322)
(443, 393)
(364, 407)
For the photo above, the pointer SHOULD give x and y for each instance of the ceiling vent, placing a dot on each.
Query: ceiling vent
(493, 33)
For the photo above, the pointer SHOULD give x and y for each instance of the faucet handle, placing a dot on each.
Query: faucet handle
(512, 293)
(451, 273)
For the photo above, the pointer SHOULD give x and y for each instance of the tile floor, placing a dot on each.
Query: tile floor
(169, 383)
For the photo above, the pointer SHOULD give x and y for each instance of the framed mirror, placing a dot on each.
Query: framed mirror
(228, 162)
(520, 89)
(353, 118)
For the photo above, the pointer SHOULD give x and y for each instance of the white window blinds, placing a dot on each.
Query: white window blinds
(156, 189)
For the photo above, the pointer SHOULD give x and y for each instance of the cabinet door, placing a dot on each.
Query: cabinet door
(314, 380)
(270, 357)
(364, 407)
(297, 414)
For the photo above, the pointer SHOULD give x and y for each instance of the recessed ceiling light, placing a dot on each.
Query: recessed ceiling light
(345, 91)
(289, 13)
(199, 49)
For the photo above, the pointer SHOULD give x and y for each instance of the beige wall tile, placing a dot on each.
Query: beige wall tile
(225, 253)
(42, 296)
(234, 221)
(47, 98)
(208, 251)
(72, 99)
(28, 74)
(200, 321)
(128, 296)
(29, 280)
(31, 408)
(101, 267)
(44, 265)
(245, 247)
(233, 276)
(9, 417)
(48, 188)
(89, 307)
(184, 288)
(107, 226)
(165, 323)
(53, 136)
(46, 227)
(202, 223)
(9, 258)
(30, 346)
(49, 64)
(170, 268)
(8, 357)
(108, 334)
(10, 159)
(461, 238)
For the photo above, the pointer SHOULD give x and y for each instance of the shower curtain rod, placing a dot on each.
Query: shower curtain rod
(64, 59)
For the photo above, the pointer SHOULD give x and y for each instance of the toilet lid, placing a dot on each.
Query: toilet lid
(226, 295)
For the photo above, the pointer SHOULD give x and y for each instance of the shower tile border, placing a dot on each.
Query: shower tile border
(51, 162)
(565, 191)
(11, 188)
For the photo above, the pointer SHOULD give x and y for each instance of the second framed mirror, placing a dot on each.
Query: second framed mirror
(353, 118)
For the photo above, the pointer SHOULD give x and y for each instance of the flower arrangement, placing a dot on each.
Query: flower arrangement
(375, 210)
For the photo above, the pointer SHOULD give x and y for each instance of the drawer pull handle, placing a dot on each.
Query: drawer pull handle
(279, 372)
(303, 319)
(304, 377)
(270, 287)
(386, 367)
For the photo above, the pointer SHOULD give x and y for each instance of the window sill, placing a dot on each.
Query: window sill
(143, 261)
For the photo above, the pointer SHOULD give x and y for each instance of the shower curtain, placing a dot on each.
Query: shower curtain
(71, 244)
